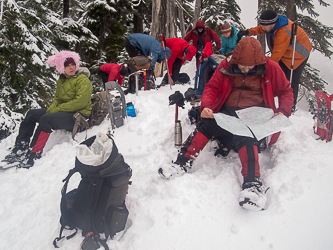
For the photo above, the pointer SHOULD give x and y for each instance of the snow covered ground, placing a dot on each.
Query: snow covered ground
(196, 211)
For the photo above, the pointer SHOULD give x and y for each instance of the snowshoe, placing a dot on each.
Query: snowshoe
(253, 196)
(18, 154)
(30, 161)
(175, 170)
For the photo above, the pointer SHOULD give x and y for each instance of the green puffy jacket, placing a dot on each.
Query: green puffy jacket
(73, 94)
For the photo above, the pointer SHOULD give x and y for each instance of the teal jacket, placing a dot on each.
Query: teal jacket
(229, 43)
(73, 94)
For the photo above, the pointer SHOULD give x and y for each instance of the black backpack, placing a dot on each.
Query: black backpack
(98, 204)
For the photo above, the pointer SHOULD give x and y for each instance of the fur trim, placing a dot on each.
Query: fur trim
(59, 59)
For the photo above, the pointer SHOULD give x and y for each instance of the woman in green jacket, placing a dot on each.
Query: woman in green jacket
(73, 94)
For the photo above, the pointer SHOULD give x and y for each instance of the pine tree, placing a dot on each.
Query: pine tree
(26, 41)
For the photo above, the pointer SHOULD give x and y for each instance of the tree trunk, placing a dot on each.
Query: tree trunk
(262, 38)
(197, 10)
(171, 19)
(159, 19)
(291, 14)
(66, 9)
(181, 19)
(137, 19)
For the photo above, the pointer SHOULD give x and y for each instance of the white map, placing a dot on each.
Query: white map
(256, 119)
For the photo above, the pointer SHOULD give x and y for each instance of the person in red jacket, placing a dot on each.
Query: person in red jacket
(111, 72)
(249, 79)
(180, 52)
(200, 35)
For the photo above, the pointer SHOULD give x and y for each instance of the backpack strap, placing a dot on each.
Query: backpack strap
(80, 124)
(65, 219)
(94, 188)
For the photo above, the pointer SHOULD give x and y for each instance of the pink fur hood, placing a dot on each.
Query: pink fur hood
(59, 59)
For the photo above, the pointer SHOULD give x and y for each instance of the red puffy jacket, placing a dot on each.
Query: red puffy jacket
(208, 35)
(113, 70)
(273, 83)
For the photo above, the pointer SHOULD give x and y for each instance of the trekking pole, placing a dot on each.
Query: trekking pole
(166, 61)
(178, 99)
(198, 71)
(144, 75)
(293, 35)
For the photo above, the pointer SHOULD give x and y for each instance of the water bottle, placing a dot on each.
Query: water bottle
(130, 110)
(178, 134)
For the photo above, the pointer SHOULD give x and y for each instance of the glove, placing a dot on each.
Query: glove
(242, 33)
(177, 98)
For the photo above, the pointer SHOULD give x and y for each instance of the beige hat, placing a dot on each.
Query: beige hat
(225, 27)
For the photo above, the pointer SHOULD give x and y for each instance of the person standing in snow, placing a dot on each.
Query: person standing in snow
(249, 79)
(138, 44)
(111, 72)
(180, 52)
(278, 29)
(200, 35)
(73, 94)
(228, 38)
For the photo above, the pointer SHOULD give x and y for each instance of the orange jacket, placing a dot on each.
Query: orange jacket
(280, 47)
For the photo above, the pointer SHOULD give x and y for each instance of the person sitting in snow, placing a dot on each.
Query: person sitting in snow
(249, 79)
(111, 72)
(138, 44)
(73, 94)
(228, 38)
(180, 52)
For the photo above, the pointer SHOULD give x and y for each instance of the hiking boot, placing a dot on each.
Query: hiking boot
(18, 153)
(253, 196)
(174, 170)
(30, 160)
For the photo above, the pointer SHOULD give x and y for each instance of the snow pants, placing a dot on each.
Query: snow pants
(207, 129)
(47, 123)
(132, 50)
(103, 75)
(296, 76)
(175, 71)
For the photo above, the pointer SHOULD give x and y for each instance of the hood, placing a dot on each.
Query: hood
(83, 70)
(59, 59)
(248, 52)
(200, 24)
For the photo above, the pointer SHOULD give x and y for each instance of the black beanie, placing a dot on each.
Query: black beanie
(268, 17)
(123, 72)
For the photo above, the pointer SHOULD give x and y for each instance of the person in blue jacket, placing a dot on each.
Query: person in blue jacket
(138, 44)
(228, 38)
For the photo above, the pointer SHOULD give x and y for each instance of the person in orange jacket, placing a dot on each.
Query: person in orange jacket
(200, 35)
(279, 34)
(111, 72)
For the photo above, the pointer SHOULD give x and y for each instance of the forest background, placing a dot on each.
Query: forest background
(32, 30)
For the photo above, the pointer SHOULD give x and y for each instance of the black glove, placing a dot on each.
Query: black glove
(177, 98)
(242, 33)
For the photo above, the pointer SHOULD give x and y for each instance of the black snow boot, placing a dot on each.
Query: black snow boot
(18, 153)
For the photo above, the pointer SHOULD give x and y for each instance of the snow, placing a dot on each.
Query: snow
(196, 211)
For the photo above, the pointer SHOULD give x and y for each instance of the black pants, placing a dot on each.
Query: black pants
(47, 123)
(132, 50)
(207, 129)
(103, 75)
(296, 76)
(175, 71)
